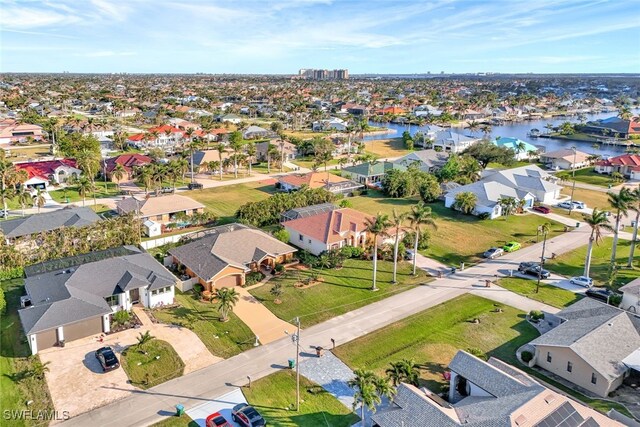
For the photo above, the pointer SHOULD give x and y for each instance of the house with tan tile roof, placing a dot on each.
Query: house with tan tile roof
(313, 180)
(161, 209)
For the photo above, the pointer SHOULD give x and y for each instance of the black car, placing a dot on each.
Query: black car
(107, 359)
(247, 416)
(195, 186)
(533, 269)
(599, 294)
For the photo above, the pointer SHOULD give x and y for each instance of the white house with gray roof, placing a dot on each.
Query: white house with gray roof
(77, 301)
(68, 217)
(488, 194)
(452, 142)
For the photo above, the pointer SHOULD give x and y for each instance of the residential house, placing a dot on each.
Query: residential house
(589, 345)
(392, 110)
(427, 110)
(41, 173)
(71, 216)
(129, 163)
(426, 160)
(255, 132)
(231, 118)
(332, 123)
(488, 195)
(354, 109)
(324, 229)
(522, 149)
(470, 114)
(541, 184)
(13, 132)
(370, 173)
(628, 165)
(331, 182)
(428, 133)
(164, 137)
(565, 159)
(287, 151)
(614, 126)
(162, 209)
(226, 254)
(483, 394)
(631, 296)
(452, 142)
(202, 158)
(78, 300)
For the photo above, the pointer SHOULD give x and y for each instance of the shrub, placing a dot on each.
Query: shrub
(307, 259)
(352, 251)
(615, 300)
(484, 215)
(536, 315)
(477, 353)
(423, 242)
(3, 302)
(279, 268)
(282, 235)
(356, 193)
(121, 317)
(198, 289)
(11, 273)
(526, 356)
(253, 278)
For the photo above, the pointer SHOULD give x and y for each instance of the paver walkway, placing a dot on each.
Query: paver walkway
(264, 324)
(331, 373)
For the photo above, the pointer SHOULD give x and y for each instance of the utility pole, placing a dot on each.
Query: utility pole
(297, 364)
(544, 244)
(573, 172)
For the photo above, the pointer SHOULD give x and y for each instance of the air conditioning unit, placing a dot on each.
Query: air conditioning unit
(25, 301)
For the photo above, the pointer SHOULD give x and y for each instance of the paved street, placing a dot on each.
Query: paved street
(147, 407)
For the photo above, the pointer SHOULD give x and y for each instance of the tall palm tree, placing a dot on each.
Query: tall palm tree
(220, 148)
(366, 395)
(465, 202)
(24, 198)
(39, 200)
(118, 173)
(7, 178)
(620, 202)
(598, 222)
(396, 220)
(636, 207)
(84, 187)
(420, 215)
(236, 142)
(403, 371)
(227, 298)
(544, 229)
(376, 226)
(251, 154)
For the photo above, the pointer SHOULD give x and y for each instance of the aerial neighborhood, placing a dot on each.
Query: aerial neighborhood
(320, 248)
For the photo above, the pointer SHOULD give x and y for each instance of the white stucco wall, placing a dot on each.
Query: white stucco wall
(165, 298)
(630, 302)
(313, 246)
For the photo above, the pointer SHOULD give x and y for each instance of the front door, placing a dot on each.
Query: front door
(134, 294)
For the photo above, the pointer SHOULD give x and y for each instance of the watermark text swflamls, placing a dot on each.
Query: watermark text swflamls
(41, 415)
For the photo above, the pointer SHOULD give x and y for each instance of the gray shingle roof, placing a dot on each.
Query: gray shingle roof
(427, 159)
(488, 192)
(67, 217)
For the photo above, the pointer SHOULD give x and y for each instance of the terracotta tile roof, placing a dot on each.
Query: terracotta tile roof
(330, 227)
(128, 161)
(311, 179)
(623, 160)
(46, 168)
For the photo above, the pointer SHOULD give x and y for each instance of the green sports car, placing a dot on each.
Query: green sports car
(511, 246)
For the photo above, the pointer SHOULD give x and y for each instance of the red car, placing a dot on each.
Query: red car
(541, 209)
(216, 420)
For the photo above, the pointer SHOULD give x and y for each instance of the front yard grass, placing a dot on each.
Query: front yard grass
(151, 363)
(386, 148)
(71, 193)
(552, 295)
(593, 199)
(432, 337)
(459, 237)
(16, 383)
(572, 263)
(308, 162)
(223, 339)
(589, 176)
(341, 291)
(274, 397)
(173, 421)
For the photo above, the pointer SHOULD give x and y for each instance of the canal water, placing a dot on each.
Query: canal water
(519, 130)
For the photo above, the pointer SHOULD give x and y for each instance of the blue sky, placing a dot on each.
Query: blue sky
(281, 36)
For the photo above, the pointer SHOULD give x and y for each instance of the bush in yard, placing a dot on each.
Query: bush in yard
(352, 251)
(484, 215)
(198, 289)
(423, 242)
(526, 356)
(536, 315)
(253, 278)
(3, 302)
(11, 273)
(307, 259)
(121, 317)
(477, 353)
(279, 268)
(282, 235)
(615, 300)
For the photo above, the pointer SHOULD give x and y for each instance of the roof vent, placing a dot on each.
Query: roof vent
(549, 398)
(520, 420)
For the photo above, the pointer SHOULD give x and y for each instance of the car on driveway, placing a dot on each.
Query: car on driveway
(599, 294)
(533, 269)
(216, 420)
(247, 416)
(587, 282)
(493, 253)
(566, 205)
(579, 205)
(107, 358)
(511, 246)
(541, 209)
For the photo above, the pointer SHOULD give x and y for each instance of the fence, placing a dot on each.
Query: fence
(148, 244)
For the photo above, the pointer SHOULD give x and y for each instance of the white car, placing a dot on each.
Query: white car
(587, 282)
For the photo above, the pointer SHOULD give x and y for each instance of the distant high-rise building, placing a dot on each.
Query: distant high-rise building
(317, 74)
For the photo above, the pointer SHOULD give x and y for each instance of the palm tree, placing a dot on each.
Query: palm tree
(84, 186)
(420, 215)
(376, 226)
(251, 154)
(227, 299)
(366, 395)
(598, 222)
(39, 200)
(236, 142)
(620, 202)
(118, 173)
(403, 371)
(24, 198)
(144, 338)
(397, 220)
(220, 149)
(465, 202)
(7, 178)
(636, 207)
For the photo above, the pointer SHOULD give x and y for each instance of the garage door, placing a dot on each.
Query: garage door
(83, 329)
(46, 339)
(228, 281)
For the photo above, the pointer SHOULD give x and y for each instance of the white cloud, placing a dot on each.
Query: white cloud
(19, 18)
(106, 53)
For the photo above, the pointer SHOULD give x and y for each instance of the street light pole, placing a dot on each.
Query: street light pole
(573, 172)
(544, 244)
(298, 364)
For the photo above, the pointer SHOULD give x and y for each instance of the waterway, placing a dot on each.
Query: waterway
(519, 130)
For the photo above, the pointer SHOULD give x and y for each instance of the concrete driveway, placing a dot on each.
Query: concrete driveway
(223, 404)
(555, 280)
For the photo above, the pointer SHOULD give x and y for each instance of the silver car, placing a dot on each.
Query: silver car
(493, 253)
(587, 282)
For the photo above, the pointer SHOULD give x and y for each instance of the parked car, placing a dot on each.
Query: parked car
(107, 359)
(599, 294)
(216, 420)
(579, 205)
(565, 205)
(408, 255)
(587, 282)
(511, 246)
(195, 186)
(247, 416)
(493, 253)
(541, 209)
(533, 269)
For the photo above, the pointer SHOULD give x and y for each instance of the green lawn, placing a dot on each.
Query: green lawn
(225, 201)
(341, 291)
(223, 339)
(15, 387)
(262, 168)
(151, 364)
(589, 176)
(579, 136)
(274, 397)
(71, 193)
(459, 237)
(386, 148)
(432, 337)
(572, 263)
(308, 162)
(173, 421)
(548, 294)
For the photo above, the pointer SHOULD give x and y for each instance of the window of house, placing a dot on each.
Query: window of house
(113, 300)
(154, 292)
(301, 237)
(569, 366)
(594, 379)
(548, 357)
(309, 240)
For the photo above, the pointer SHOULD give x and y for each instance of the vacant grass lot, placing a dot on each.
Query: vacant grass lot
(459, 237)
(593, 199)
(225, 201)
(554, 296)
(341, 291)
(274, 397)
(16, 385)
(223, 339)
(431, 338)
(572, 263)
(589, 176)
(386, 148)
(61, 195)
(151, 364)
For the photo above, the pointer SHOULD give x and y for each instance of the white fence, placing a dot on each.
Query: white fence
(148, 244)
